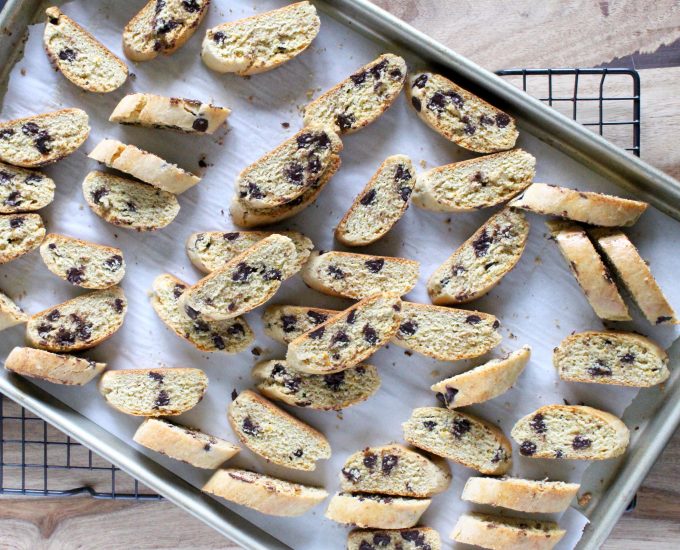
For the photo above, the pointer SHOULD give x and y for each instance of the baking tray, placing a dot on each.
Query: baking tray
(556, 130)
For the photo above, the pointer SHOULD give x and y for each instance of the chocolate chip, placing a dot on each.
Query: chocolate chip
(288, 323)
(628, 358)
(30, 129)
(600, 368)
(316, 140)
(250, 427)
(292, 383)
(53, 315)
(486, 120)
(118, 305)
(345, 120)
(396, 74)
(218, 342)
(235, 329)
(663, 319)
(234, 394)
(358, 78)
(352, 317)
(381, 539)
(75, 275)
(498, 455)
(461, 426)
(581, 442)
(389, 462)
(314, 164)
(437, 102)
(408, 328)
(6, 177)
(294, 173)
(375, 265)
(496, 324)
(67, 54)
(200, 124)
(527, 448)
(448, 397)
(370, 460)
(335, 380)
(219, 37)
(157, 376)
(318, 333)
(370, 335)
(191, 312)
(473, 319)
(201, 326)
(469, 128)
(272, 274)
(178, 290)
(351, 474)
(417, 105)
(430, 425)
(97, 194)
(335, 272)
(482, 243)
(316, 317)
(114, 262)
(559, 453)
(340, 337)
(207, 447)
(502, 120)
(242, 272)
(192, 6)
(405, 193)
(254, 191)
(13, 199)
(65, 337)
(414, 536)
(166, 26)
(44, 330)
(162, 400)
(420, 81)
(537, 424)
(368, 197)
(16, 222)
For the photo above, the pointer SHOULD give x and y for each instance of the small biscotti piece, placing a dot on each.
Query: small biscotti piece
(417, 538)
(460, 116)
(128, 203)
(523, 495)
(484, 382)
(348, 338)
(376, 511)
(265, 494)
(581, 206)
(79, 56)
(261, 42)
(619, 358)
(10, 313)
(590, 272)
(463, 438)
(244, 282)
(357, 276)
(572, 432)
(361, 98)
(19, 235)
(81, 263)
(285, 323)
(154, 392)
(80, 323)
(276, 435)
(55, 368)
(482, 261)
(475, 183)
(186, 444)
(23, 190)
(504, 533)
(324, 392)
(230, 335)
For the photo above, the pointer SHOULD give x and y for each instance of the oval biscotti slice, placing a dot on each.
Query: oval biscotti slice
(285, 323)
(265, 494)
(463, 438)
(23, 190)
(376, 511)
(276, 435)
(475, 183)
(261, 42)
(360, 99)
(416, 538)
(482, 261)
(11, 314)
(572, 432)
(52, 367)
(19, 235)
(230, 335)
(460, 116)
(505, 533)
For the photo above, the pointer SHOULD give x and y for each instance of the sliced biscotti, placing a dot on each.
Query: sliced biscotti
(476, 183)
(572, 432)
(80, 323)
(619, 358)
(265, 494)
(186, 444)
(276, 435)
(153, 392)
(581, 206)
(360, 99)
(11, 314)
(463, 438)
(23, 190)
(376, 511)
(19, 235)
(357, 276)
(262, 42)
(590, 272)
(230, 335)
(523, 495)
(348, 338)
(79, 56)
(482, 261)
(504, 533)
(484, 382)
(460, 116)
(128, 203)
(324, 392)
(417, 538)
(285, 323)
(55, 368)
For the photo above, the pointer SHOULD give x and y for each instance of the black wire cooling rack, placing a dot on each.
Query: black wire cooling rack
(38, 460)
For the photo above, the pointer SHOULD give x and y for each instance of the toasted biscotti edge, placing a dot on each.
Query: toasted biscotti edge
(51, 367)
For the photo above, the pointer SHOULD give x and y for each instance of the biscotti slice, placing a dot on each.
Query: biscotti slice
(523, 495)
(80, 323)
(23, 190)
(348, 338)
(229, 336)
(482, 261)
(324, 392)
(55, 368)
(619, 358)
(590, 272)
(460, 116)
(475, 183)
(285, 323)
(463, 438)
(484, 382)
(43, 139)
(82, 263)
(581, 206)
(79, 56)
(19, 235)
(186, 444)
(635, 274)
(380, 205)
(571, 432)
(394, 470)
(11, 314)
(357, 276)
(128, 203)
(376, 511)
(445, 333)
(244, 282)
(276, 435)
(153, 392)
(360, 99)
(417, 538)
(504, 533)
(265, 494)
(162, 26)
(261, 42)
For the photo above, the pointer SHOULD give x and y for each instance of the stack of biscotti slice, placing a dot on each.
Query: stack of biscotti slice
(410, 538)
(23, 190)
(10, 313)
(19, 235)
(52, 367)
(501, 532)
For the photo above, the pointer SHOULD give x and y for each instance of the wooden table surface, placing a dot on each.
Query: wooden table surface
(496, 34)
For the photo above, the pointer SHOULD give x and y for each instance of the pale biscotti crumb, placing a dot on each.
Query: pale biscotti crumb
(504, 533)
(285, 323)
(52, 367)
(24, 190)
(10, 313)
(19, 235)
(376, 511)
(416, 538)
